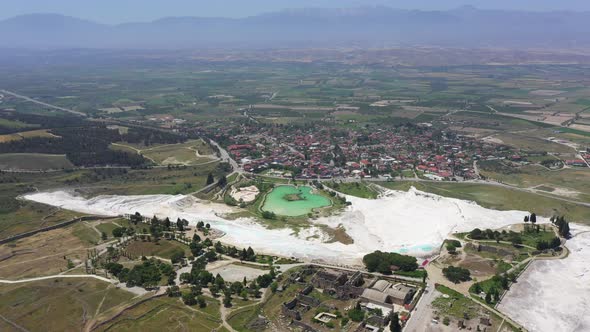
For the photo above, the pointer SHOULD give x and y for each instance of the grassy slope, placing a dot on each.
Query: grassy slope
(163, 248)
(354, 189)
(58, 305)
(162, 314)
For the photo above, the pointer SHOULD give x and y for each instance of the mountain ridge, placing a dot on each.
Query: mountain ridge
(368, 26)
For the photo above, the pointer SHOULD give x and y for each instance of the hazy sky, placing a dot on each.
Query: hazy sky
(117, 11)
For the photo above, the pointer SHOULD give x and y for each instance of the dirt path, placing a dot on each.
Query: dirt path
(58, 276)
(42, 103)
(13, 324)
(93, 228)
(224, 313)
(136, 150)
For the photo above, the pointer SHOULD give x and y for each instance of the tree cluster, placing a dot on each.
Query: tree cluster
(38, 121)
(457, 274)
(552, 244)
(147, 274)
(563, 226)
(356, 314)
(84, 146)
(382, 262)
(452, 246)
(84, 143)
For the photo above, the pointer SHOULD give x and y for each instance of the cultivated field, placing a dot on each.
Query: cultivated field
(33, 161)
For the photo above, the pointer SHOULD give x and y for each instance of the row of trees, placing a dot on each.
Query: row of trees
(488, 234)
(552, 244)
(159, 226)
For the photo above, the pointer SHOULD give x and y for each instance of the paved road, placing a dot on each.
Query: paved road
(42, 103)
(418, 321)
(226, 157)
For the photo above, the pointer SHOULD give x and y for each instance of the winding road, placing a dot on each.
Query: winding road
(42, 103)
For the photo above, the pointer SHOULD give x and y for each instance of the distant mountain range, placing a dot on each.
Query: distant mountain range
(366, 27)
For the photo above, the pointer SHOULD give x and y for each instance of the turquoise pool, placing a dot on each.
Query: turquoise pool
(293, 201)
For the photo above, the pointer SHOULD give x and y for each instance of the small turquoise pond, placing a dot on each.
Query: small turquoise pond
(415, 249)
(293, 201)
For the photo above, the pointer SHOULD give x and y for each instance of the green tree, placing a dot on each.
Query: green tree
(476, 288)
(488, 298)
(210, 179)
(188, 299)
(177, 256)
(533, 218)
(222, 181)
(201, 301)
(356, 314)
(273, 287)
(173, 291)
(118, 232)
(244, 294)
(250, 255)
(394, 325)
(457, 274)
(227, 299)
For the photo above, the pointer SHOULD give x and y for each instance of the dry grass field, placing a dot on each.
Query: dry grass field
(42, 254)
(57, 305)
(26, 134)
(162, 314)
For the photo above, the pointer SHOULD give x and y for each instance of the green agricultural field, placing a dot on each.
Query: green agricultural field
(34, 161)
(500, 198)
(174, 180)
(529, 142)
(570, 182)
(14, 124)
(58, 304)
